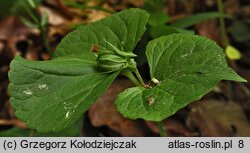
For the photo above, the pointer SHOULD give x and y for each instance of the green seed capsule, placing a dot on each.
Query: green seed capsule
(110, 62)
(115, 60)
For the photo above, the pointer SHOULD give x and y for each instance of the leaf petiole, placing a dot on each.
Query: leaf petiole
(139, 77)
(130, 75)
(161, 127)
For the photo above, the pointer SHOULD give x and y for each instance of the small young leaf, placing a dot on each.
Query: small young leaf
(233, 53)
(158, 18)
(186, 67)
(161, 30)
(240, 31)
(32, 4)
(197, 18)
(153, 6)
(28, 23)
(52, 95)
(10, 7)
(123, 30)
(25, 6)
(44, 19)
(5, 7)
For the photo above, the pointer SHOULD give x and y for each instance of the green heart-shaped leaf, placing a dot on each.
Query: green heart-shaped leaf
(123, 30)
(52, 95)
(186, 67)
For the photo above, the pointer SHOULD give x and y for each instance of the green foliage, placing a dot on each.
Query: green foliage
(5, 6)
(186, 67)
(197, 18)
(162, 30)
(27, 12)
(153, 6)
(240, 31)
(158, 18)
(158, 22)
(14, 7)
(52, 95)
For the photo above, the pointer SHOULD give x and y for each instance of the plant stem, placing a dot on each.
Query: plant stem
(224, 37)
(45, 40)
(130, 75)
(161, 127)
(30, 13)
(139, 77)
(43, 32)
(31, 133)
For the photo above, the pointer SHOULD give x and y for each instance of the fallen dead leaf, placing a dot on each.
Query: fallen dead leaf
(60, 24)
(173, 128)
(103, 112)
(209, 29)
(15, 122)
(13, 31)
(95, 15)
(11, 26)
(54, 17)
(232, 7)
(137, 3)
(210, 3)
(216, 118)
(1, 47)
(60, 6)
